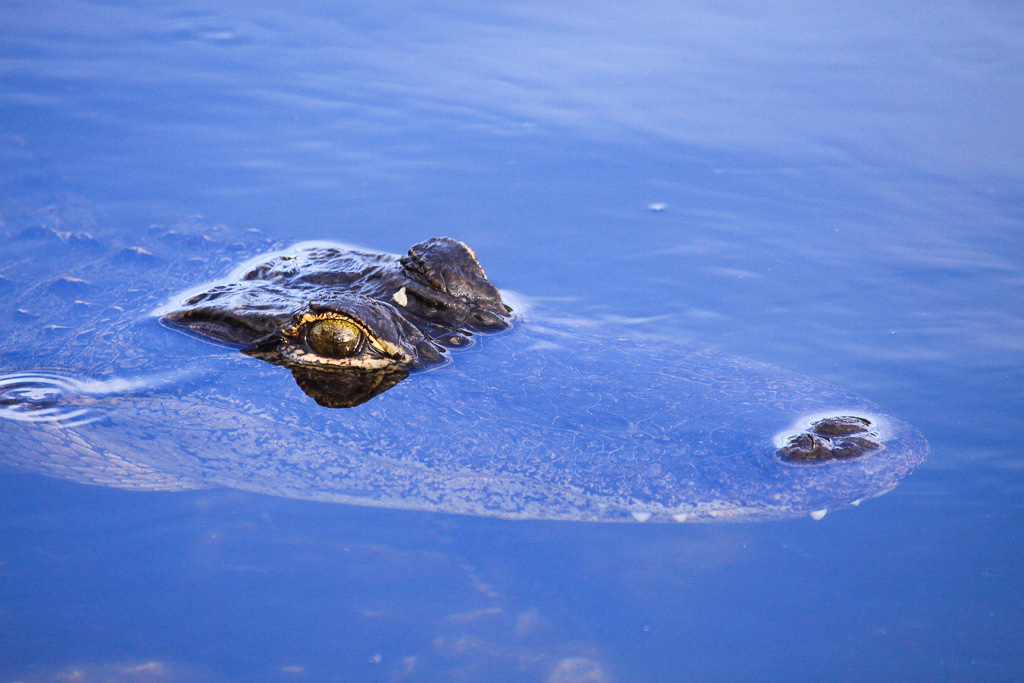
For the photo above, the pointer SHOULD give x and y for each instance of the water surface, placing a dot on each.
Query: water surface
(836, 191)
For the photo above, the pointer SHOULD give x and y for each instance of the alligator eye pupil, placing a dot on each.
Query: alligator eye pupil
(334, 338)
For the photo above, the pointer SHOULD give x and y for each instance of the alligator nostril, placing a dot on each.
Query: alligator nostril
(838, 437)
(853, 446)
(840, 425)
(806, 448)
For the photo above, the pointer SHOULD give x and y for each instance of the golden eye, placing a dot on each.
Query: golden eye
(334, 338)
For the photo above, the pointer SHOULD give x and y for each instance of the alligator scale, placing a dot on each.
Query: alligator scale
(325, 372)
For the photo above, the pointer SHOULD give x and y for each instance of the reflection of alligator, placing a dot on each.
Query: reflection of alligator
(555, 419)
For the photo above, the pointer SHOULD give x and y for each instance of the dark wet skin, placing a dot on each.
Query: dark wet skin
(832, 438)
(350, 324)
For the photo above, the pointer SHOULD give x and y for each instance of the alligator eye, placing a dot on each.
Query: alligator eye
(334, 338)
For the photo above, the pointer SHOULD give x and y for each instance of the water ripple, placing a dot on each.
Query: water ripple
(48, 396)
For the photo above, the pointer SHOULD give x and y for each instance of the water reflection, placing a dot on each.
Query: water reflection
(343, 387)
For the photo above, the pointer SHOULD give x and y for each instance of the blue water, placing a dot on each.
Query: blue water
(841, 194)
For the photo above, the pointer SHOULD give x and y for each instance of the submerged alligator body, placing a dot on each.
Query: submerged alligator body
(555, 418)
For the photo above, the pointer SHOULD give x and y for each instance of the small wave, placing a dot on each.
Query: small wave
(51, 397)
(39, 397)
